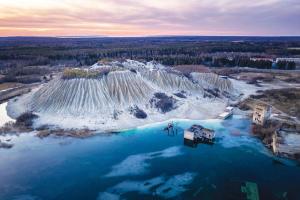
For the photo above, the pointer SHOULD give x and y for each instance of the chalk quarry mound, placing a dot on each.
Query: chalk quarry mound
(119, 95)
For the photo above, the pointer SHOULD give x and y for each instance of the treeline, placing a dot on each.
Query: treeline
(242, 62)
(168, 53)
(247, 62)
(29, 74)
(286, 65)
(76, 52)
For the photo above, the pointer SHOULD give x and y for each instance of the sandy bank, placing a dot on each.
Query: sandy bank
(190, 109)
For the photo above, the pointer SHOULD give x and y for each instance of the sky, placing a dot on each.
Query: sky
(149, 17)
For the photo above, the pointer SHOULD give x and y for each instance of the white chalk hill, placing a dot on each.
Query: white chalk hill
(109, 101)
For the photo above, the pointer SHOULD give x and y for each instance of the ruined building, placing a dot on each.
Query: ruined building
(262, 112)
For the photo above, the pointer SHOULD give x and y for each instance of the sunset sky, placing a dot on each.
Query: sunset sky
(148, 17)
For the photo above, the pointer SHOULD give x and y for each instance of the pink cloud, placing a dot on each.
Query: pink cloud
(133, 17)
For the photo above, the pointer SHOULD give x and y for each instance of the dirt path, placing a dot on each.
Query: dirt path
(7, 94)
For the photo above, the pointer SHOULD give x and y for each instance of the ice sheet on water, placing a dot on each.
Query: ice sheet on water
(176, 185)
(166, 187)
(142, 187)
(229, 141)
(138, 164)
(132, 165)
(251, 144)
(167, 153)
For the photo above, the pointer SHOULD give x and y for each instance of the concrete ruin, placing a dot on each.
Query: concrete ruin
(261, 113)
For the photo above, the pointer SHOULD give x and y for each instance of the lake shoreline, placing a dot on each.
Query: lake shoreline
(57, 131)
(150, 153)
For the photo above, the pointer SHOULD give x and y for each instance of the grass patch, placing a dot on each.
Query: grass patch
(70, 73)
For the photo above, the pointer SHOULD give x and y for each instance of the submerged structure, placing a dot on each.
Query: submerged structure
(199, 133)
(123, 94)
(250, 190)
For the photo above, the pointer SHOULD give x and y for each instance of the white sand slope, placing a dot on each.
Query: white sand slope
(104, 103)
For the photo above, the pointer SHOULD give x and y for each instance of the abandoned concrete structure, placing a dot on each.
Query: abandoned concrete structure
(199, 133)
(262, 112)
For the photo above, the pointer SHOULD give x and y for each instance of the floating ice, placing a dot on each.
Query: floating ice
(138, 164)
(132, 165)
(165, 187)
(175, 185)
(167, 153)
(142, 187)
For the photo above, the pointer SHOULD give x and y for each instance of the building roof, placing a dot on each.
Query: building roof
(197, 127)
(224, 114)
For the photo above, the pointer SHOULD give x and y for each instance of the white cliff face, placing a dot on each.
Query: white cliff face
(104, 102)
(170, 81)
(211, 80)
(117, 90)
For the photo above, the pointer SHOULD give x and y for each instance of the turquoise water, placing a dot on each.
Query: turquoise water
(146, 163)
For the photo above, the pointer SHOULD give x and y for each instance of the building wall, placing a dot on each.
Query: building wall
(261, 114)
(189, 135)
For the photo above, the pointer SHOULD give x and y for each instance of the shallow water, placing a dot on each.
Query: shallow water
(146, 163)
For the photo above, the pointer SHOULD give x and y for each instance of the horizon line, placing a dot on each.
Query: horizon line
(142, 36)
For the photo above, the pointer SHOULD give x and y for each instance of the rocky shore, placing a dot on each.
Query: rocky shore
(281, 137)
(23, 124)
(281, 133)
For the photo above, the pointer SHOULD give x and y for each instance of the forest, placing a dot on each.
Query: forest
(16, 52)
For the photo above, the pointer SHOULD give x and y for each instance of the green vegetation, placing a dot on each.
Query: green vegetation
(70, 73)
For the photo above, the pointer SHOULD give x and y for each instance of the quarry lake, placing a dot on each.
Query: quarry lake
(146, 163)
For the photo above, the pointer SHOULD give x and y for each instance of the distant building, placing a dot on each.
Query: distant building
(296, 60)
(261, 113)
(263, 59)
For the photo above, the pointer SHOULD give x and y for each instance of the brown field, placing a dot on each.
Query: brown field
(8, 85)
(251, 75)
(283, 100)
